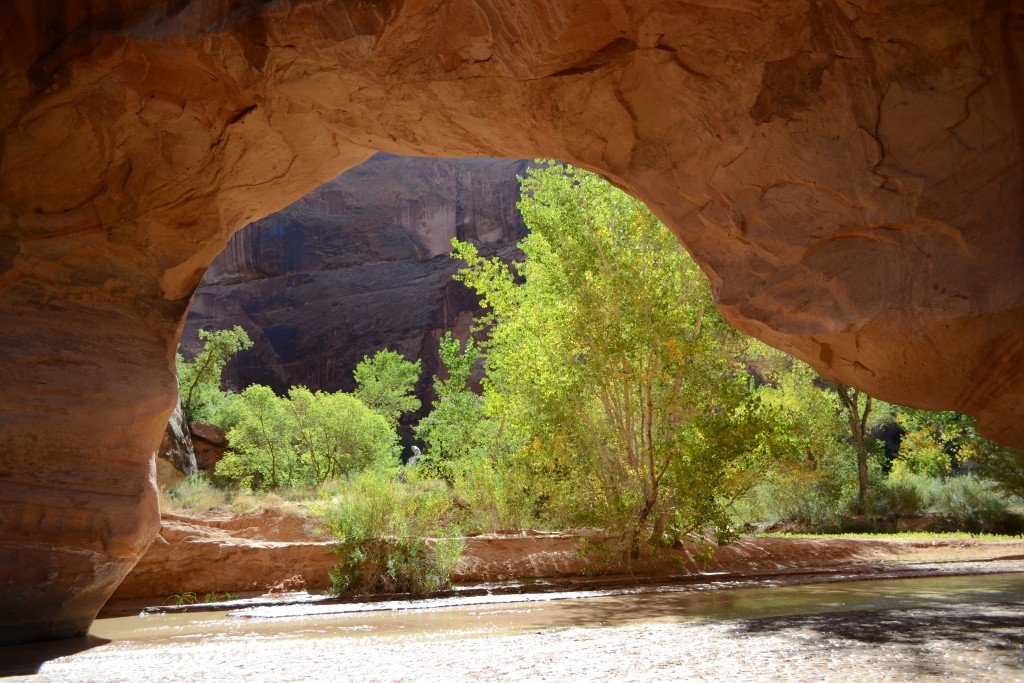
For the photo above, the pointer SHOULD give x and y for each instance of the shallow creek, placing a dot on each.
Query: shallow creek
(954, 626)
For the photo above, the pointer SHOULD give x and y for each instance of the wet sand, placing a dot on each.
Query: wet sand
(950, 627)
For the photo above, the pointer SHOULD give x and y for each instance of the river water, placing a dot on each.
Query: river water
(952, 628)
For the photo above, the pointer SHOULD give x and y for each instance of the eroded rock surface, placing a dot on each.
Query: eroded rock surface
(358, 265)
(848, 172)
(176, 446)
(210, 442)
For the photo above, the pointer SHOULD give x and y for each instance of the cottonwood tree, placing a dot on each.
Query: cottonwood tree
(199, 380)
(304, 438)
(385, 382)
(606, 354)
(453, 427)
(857, 409)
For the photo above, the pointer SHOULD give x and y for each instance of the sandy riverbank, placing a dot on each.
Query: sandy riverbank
(250, 554)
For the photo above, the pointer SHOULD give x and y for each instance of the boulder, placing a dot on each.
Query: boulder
(210, 442)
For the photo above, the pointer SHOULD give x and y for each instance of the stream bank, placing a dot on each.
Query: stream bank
(271, 553)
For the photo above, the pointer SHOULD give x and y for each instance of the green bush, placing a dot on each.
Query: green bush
(502, 492)
(393, 535)
(999, 464)
(304, 438)
(816, 499)
(196, 493)
(969, 504)
(906, 495)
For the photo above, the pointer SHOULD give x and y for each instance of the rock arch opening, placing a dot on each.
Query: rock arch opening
(850, 178)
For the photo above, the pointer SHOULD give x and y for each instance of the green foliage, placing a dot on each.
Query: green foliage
(336, 434)
(304, 438)
(454, 427)
(199, 381)
(906, 494)
(921, 453)
(1000, 464)
(385, 383)
(954, 432)
(817, 484)
(500, 491)
(969, 504)
(609, 371)
(938, 442)
(393, 535)
(196, 493)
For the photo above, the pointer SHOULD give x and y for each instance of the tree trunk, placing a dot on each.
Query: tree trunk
(858, 420)
(862, 475)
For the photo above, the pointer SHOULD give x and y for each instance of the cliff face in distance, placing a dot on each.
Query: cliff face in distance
(358, 265)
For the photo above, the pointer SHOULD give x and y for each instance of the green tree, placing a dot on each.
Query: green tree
(817, 483)
(304, 438)
(385, 382)
(335, 434)
(857, 409)
(956, 435)
(261, 454)
(1000, 464)
(453, 428)
(199, 380)
(921, 453)
(606, 355)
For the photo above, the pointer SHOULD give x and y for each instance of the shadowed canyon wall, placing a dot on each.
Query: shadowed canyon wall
(358, 265)
(847, 172)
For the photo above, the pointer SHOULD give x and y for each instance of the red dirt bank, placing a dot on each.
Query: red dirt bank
(216, 551)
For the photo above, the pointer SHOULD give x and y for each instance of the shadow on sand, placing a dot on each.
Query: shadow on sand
(994, 627)
(27, 659)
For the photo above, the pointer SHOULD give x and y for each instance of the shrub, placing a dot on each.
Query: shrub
(501, 492)
(906, 495)
(195, 493)
(969, 504)
(393, 535)
(816, 498)
(1000, 464)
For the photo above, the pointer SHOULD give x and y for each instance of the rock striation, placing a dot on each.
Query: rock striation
(176, 446)
(358, 265)
(847, 172)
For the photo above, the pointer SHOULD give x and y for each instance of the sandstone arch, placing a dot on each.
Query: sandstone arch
(848, 172)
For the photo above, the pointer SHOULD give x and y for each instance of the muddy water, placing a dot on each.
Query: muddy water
(953, 627)
(510, 614)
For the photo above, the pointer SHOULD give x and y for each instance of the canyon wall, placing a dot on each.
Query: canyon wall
(358, 265)
(847, 172)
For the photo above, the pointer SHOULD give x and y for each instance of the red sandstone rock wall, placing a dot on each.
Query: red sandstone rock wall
(848, 172)
(358, 265)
